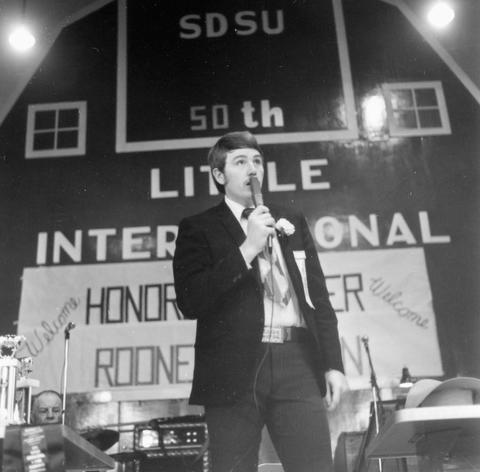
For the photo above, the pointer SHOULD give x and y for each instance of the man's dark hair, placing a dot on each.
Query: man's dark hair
(230, 141)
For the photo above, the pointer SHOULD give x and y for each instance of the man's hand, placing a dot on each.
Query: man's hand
(259, 227)
(336, 385)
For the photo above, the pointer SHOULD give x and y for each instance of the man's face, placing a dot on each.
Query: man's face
(240, 165)
(48, 409)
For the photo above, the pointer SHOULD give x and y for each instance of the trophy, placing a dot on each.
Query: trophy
(9, 368)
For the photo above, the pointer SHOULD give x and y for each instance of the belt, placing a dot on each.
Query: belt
(284, 334)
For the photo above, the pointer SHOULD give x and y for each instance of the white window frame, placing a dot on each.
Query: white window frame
(78, 150)
(395, 131)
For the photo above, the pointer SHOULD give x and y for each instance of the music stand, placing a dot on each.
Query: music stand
(434, 434)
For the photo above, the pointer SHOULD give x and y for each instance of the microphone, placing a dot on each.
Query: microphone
(257, 198)
(71, 325)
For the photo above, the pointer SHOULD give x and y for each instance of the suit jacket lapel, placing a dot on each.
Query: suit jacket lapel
(230, 223)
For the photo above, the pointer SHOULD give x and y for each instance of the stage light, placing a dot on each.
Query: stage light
(374, 109)
(440, 15)
(374, 116)
(148, 439)
(171, 436)
(21, 39)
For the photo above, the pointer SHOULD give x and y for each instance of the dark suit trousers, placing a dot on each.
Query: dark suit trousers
(285, 396)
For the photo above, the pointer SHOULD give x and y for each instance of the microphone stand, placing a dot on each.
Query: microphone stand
(65, 370)
(375, 393)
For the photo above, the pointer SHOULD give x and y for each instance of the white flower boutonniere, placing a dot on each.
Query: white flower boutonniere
(285, 227)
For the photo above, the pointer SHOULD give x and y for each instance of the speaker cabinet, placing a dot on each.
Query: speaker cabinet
(177, 463)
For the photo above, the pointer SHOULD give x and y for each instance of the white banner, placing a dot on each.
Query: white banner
(384, 295)
(130, 339)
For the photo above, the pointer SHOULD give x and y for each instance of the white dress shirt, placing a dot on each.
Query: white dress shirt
(275, 314)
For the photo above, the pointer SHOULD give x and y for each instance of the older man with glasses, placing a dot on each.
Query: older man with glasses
(47, 408)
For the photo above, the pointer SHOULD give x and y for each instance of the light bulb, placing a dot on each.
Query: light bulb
(440, 15)
(21, 39)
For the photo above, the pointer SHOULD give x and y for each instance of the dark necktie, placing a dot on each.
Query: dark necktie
(246, 212)
(273, 278)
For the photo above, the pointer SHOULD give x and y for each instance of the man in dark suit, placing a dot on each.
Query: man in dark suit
(267, 349)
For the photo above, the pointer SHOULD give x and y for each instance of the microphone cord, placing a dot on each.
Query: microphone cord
(270, 326)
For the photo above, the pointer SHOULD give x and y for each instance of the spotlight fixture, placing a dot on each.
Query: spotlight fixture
(374, 116)
(406, 381)
(21, 39)
(440, 15)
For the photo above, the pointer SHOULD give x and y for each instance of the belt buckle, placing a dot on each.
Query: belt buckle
(272, 335)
